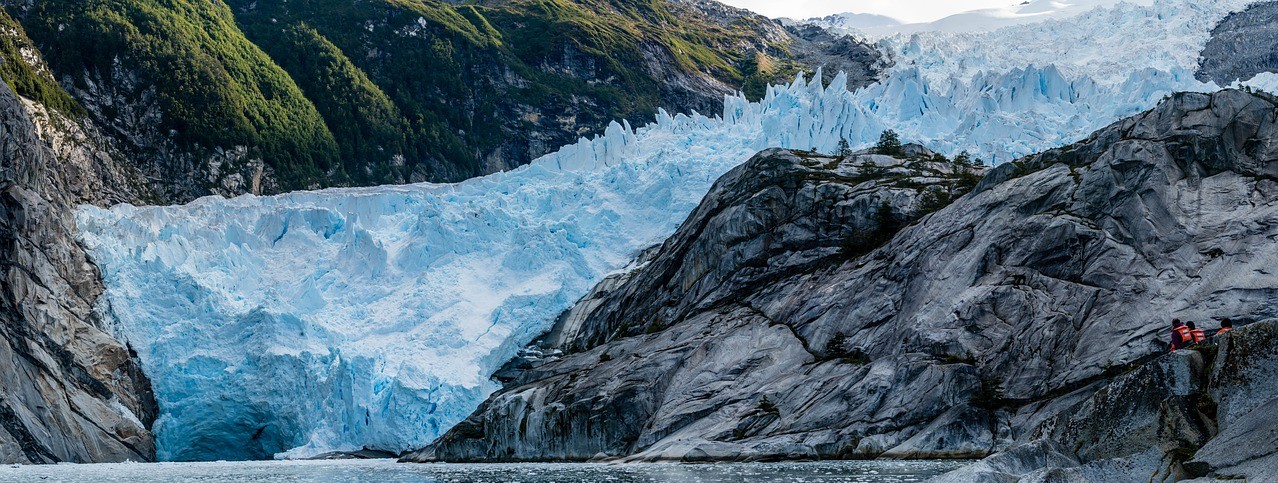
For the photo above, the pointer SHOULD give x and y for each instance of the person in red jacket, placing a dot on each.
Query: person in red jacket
(1181, 336)
(1226, 325)
(1198, 336)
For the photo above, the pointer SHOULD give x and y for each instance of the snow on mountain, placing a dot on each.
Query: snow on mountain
(350, 318)
(849, 21)
(875, 26)
(982, 20)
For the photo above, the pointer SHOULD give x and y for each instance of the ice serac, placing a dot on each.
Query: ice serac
(69, 391)
(1035, 307)
(1107, 44)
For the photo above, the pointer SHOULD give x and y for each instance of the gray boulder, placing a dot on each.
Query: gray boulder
(1014, 464)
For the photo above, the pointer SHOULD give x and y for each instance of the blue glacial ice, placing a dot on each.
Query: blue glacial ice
(341, 319)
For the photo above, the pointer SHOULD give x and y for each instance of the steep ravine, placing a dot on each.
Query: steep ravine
(760, 330)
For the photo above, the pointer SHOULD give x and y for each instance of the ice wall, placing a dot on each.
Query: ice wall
(351, 318)
(1104, 44)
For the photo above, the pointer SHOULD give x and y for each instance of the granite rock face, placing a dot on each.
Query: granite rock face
(1136, 426)
(1205, 413)
(767, 327)
(1244, 387)
(69, 391)
(696, 364)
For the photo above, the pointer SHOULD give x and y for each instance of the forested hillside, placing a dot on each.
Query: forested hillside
(207, 96)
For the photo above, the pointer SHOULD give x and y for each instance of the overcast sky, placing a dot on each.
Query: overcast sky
(906, 10)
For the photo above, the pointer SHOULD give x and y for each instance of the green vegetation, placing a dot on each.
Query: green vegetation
(337, 92)
(965, 159)
(844, 150)
(951, 182)
(26, 79)
(766, 406)
(957, 359)
(837, 349)
(889, 144)
(364, 121)
(215, 87)
(934, 199)
(886, 225)
(763, 70)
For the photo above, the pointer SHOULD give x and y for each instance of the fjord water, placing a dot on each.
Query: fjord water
(351, 471)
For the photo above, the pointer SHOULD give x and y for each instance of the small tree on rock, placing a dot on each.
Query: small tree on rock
(889, 144)
(837, 346)
(844, 149)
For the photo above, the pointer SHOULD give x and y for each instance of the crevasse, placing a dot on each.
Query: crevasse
(348, 318)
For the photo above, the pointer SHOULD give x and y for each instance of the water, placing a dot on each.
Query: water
(390, 472)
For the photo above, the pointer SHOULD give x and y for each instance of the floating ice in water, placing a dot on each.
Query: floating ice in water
(351, 318)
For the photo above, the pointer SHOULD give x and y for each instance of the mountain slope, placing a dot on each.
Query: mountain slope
(969, 330)
(209, 87)
(265, 97)
(492, 260)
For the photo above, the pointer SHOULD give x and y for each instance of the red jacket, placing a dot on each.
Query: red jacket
(1199, 335)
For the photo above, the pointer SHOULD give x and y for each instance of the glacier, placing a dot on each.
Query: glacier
(342, 319)
(981, 20)
(1106, 44)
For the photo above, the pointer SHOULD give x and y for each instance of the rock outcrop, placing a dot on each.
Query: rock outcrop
(69, 391)
(1244, 390)
(1205, 413)
(767, 327)
(1136, 426)
(1242, 45)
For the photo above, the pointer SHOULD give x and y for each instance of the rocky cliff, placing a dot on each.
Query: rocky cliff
(1199, 415)
(773, 325)
(69, 391)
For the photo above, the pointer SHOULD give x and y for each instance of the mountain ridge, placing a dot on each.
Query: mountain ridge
(233, 99)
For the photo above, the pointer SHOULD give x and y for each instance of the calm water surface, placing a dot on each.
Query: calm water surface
(391, 472)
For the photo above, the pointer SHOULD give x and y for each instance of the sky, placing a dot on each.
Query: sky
(905, 10)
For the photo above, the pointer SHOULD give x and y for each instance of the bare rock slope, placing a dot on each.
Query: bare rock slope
(69, 391)
(774, 325)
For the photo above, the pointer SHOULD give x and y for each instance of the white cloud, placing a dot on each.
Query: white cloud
(905, 10)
